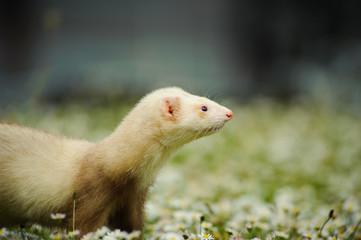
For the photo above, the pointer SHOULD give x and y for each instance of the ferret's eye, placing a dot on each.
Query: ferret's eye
(204, 109)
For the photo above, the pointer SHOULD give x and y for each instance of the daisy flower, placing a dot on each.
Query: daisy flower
(205, 236)
(3, 232)
(74, 233)
(172, 236)
(88, 236)
(101, 232)
(117, 234)
(207, 225)
(107, 237)
(134, 235)
(57, 216)
(57, 236)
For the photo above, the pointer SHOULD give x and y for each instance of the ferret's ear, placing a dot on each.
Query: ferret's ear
(171, 106)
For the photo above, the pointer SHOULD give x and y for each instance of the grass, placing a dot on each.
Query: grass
(274, 172)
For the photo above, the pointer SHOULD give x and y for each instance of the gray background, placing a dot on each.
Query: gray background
(54, 50)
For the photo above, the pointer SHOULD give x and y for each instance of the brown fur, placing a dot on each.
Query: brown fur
(116, 202)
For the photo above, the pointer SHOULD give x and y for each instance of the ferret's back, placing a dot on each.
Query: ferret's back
(16, 139)
(35, 164)
(27, 145)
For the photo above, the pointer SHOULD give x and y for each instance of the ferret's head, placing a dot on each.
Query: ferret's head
(186, 117)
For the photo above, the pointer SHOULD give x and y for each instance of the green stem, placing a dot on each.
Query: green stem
(330, 215)
(74, 198)
(352, 235)
(200, 225)
(22, 233)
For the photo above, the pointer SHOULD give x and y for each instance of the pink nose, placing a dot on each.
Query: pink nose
(229, 114)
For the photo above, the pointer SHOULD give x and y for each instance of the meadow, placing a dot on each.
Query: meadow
(276, 171)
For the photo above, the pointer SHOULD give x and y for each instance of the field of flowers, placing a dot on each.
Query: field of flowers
(276, 171)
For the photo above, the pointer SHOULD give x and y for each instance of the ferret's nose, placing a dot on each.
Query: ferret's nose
(229, 115)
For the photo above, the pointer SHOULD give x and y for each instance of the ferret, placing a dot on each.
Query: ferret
(40, 172)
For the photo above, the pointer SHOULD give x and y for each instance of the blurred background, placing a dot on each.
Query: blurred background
(56, 50)
(289, 70)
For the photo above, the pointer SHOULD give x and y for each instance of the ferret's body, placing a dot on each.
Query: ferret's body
(39, 172)
(36, 172)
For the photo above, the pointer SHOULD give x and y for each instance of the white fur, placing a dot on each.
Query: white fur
(38, 170)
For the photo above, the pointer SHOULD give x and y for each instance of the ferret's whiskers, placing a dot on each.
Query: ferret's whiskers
(209, 93)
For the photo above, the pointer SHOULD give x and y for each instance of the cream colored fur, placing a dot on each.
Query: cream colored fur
(36, 172)
(39, 171)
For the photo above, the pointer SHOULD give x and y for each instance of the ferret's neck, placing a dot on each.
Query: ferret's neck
(135, 149)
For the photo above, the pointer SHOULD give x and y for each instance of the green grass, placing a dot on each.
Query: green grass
(275, 171)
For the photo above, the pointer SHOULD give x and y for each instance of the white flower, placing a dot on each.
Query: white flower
(332, 238)
(109, 238)
(172, 236)
(233, 232)
(74, 233)
(101, 232)
(279, 234)
(187, 217)
(207, 225)
(36, 227)
(350, 205)
(180, 215)
(57, 236)
(196, 216)
(134, 235)
(180, 227)
(3, 232)
(153, 211)
(308, 235)
(248, 226)
(117, 234)
(179, 203)
(88, 236)
(171, 227)
(57, 216)
(205, 236)
(192, 236)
